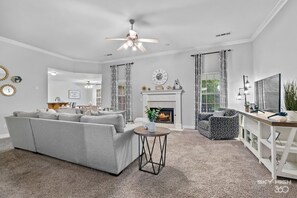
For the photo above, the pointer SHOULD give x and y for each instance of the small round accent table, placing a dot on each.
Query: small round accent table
(146, 151)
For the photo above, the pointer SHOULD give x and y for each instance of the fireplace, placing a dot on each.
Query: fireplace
(166, 115)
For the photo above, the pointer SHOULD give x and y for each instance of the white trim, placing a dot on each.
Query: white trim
(37, 49)
(170, 52)
(280, 4)
(189, 127)
(5, 135)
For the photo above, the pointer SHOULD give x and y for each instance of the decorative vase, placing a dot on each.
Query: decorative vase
(151, 126)
(247, 108)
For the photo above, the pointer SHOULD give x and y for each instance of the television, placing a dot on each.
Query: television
(268, 94)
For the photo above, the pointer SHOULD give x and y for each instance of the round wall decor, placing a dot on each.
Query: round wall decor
(8, 90)
(3, 73)
(159, 77)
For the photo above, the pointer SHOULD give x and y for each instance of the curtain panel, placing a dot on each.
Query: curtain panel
(114, 87)
(128, 93)
(198, 73)
(223, 79)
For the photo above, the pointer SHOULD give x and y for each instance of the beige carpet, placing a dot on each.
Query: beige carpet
(196, 167)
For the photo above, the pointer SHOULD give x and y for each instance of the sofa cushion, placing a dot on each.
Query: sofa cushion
(204, 124)
(25, 114)
(115, 119)
(218, 113)
(114, 112)
(50, 116)
(70, 117)
(67, 110)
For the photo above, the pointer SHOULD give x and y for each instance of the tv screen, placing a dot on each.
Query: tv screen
(268, 93)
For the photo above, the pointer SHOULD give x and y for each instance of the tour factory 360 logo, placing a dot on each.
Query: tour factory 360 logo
(280, 186)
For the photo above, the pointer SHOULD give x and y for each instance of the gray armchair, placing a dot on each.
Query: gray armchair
(216, 128)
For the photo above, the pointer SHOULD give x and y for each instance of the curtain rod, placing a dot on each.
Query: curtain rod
(122, 64)
(212, 52)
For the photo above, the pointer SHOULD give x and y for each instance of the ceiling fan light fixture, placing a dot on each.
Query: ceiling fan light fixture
(88, 85)
(134, 48)
(130, 43)
(125, 46)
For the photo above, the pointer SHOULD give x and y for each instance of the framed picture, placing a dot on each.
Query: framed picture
(269, 139)
(73, 94)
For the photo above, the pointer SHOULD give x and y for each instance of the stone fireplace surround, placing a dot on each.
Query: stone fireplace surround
(165, 99)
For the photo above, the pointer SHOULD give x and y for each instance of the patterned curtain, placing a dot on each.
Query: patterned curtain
(128, 93)
(114, 87)
(223, 79)
(198, 72)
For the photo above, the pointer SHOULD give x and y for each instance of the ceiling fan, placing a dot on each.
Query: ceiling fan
(132, 40)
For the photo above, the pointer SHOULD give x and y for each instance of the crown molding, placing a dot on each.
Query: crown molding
(275, 10)
(177, 51)
(280, 4)
(31, 47)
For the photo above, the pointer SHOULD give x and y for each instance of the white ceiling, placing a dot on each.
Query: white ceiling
(77, 78)
(78, 28)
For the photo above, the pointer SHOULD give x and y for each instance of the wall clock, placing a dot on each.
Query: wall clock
(159, 77)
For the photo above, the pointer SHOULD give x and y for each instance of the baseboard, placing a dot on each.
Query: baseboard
(188, 127)
(6, 135)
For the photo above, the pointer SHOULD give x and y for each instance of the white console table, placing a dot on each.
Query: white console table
(255, 130)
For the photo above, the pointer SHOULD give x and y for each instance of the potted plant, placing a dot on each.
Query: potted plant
(291, 96)
(152, 115)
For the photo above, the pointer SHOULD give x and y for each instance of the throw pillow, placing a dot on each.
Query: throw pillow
(69, 117)
(95, 113)
(25, 114)
(66, 110)
(114, 112)
(50, 116)
(116, 120)
(51, 111)
(218, 113)
(41, 110)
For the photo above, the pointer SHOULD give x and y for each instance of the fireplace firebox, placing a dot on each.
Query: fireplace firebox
(166, 115)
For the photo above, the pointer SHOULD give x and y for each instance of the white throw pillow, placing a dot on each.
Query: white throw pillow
(218, 113)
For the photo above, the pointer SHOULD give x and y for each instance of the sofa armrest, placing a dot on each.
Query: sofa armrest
(204, 116)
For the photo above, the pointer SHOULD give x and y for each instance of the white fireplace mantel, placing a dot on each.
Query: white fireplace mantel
(165, 99)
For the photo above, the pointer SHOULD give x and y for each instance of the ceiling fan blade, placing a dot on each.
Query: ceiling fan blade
(122, 47)
(148, 40)
(116, 39)
(141, 48)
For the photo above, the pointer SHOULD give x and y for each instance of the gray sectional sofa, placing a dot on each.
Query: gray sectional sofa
(108, 146)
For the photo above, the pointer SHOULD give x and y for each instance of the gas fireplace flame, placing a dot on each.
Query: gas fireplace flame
(163, 116)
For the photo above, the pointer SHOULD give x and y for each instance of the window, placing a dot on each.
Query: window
(98, 98)
(210, 92)
(121, 97)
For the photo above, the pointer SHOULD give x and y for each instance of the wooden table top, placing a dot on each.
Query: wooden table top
(160, 131)
(289, 121)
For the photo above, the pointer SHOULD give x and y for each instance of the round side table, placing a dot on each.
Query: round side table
(146, 151)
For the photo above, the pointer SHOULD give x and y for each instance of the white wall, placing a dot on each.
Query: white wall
(32, 67)
(275, 48)
(181, 66)
(60, 89)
